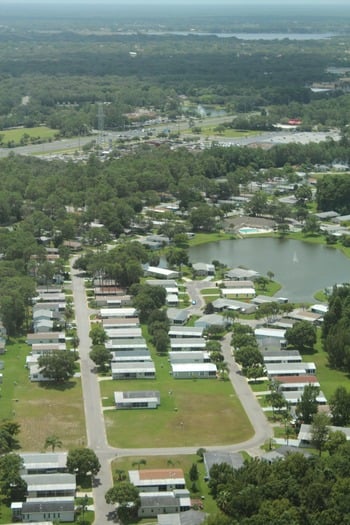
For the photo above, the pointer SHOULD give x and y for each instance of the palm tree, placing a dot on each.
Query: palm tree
(53, 441)
(75, 342)
(138, 463)
(223, 370)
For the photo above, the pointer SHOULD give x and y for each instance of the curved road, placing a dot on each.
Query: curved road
(96, 433)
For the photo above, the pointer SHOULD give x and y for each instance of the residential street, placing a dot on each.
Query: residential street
(96, 434)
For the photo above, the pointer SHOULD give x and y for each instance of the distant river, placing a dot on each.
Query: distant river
(302, 268)
(249, 36)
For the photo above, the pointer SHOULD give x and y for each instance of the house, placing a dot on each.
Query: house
(108, 313)
(41, 509)
(137, 399)
(54, 307)
(305, 433)
(189, 357)
(193, 370)
(305, 315)
(130, 356)
(263, 299)
(165, 283)
(46, 338)
(44, 463)
(221, 304)
(35, 374)
(43, 325)
(172, 299)
(50, 485)
(236, 284)
(241, 274)
(282, 452)
(188, 343)
(158, 480)
(155, 503)
(289, 369)
(177, 316)
(113, 301)
(137, 343)
(133, 370)
(209, 320)
(161, 273)
(203, 269)
(185, 331)
(120, 322)
(286, 383)
(218, 457)
(133, 332)
(52, 297)
(319, 309)
(242, 292)
(293, 396)
(270, 337)
(44, 349)
(281, 356)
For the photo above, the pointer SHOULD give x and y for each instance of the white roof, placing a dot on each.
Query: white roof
(285, 368)
(166, 477)
(190, 342)
(191, 367)
(132, 367)
(238, 291)
(41, 482)
(186, 331)
(118, 312)
(137, 396)
(48, 460)
(122, 333)
(305, 432)
(293, 396)
(269, 332)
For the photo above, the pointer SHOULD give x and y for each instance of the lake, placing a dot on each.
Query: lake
(248, 36)
(302, 268)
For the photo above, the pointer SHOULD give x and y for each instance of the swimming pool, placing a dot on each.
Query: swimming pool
(246, 230)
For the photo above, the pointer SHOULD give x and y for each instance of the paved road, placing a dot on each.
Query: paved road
(96, 434)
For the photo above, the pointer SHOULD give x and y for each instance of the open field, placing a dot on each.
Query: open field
(40, 409)
(22, 136)
(192, 413)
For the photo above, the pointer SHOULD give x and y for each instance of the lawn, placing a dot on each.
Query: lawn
(40, 410)
(204, 238)
(271, 288)
(192, 412)
(22, 136)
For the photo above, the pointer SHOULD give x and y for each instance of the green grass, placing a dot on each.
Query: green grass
(321, 296)
(197, 413)
(40, 410)
(5, 514)
(204, 238)
(270, 289)
(42, 133)
(211, 291)
(260, 386)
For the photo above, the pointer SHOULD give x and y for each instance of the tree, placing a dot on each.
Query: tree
(82, 504)
(101, 356)
(8, 440)
(320, 431)
(248, 356)
(83, 461)
(311, 225)
(307, 405)
(262, 282)
(58, 366)
(193, 474)
(127, 496)
(258, 204)
(302, 334)
(97, 334)
(335, 439)
(339, 405)
(254, 372)
(200, 453)
(139, 462)
(12, 486)
(53, 441)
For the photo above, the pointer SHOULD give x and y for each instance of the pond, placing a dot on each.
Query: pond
(302, 268)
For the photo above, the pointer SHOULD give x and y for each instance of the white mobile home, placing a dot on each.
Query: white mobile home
(137, 399)
(133, 370)
(194, 370)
